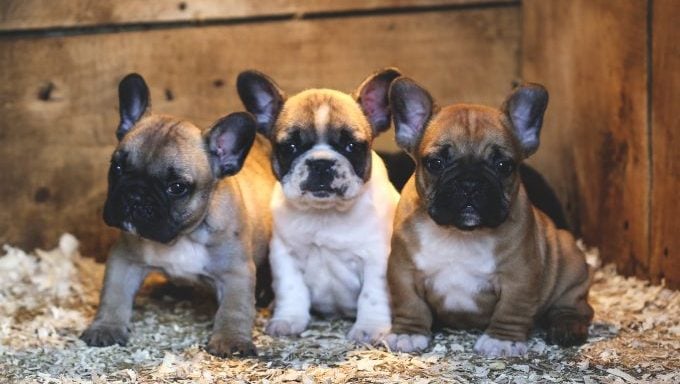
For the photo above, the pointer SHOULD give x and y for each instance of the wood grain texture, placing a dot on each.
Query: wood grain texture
(665, 131)
(42, 14)
(59, 104)
(592, 56)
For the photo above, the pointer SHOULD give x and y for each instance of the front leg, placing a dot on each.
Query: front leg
(373, 308)
(122, 280)
(513, 316)
(411, 316)
(291, 295)
(235, 317)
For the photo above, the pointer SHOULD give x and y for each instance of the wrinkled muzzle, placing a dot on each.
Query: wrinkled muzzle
(468, 198)
(138, 208)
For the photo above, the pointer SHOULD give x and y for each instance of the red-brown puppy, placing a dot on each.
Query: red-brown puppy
(469, 250)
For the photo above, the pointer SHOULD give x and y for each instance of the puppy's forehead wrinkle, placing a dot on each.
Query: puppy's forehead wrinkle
(322, 110)
(158, 138)
(467, 129)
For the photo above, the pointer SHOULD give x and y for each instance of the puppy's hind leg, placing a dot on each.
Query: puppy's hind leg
(567, 321)
(568, 317)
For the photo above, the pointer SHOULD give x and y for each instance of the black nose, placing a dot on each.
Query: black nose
(134, 197)
(136, 207)
(469, 185)
(320, 176)
(320, 167)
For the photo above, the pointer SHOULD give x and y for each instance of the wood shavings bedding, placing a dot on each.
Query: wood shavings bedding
(48, 298)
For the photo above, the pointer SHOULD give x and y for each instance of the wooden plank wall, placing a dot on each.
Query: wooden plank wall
(609, 132)
(60, 14)
(58, 85)
(665, 139)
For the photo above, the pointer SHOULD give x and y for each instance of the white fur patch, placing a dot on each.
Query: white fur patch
(322, 117)
(457, 265)
(333, 260)
(184, 258)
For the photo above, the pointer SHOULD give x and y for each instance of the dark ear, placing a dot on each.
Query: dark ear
(412, 107)
(525, 108)
(372, 96)
(228, 143)
(261, 97)
(133, 97)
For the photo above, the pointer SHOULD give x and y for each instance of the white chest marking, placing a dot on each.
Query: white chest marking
(184, 258)
(457, 267)
(333, 279)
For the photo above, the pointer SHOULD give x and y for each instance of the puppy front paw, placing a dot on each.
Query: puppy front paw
(407, 343)
(568, 331)
(103, 335)
(368, 333)
(286, 327)
(226, 346)
(491, 347)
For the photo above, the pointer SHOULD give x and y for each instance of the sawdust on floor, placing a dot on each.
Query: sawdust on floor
(48, 298)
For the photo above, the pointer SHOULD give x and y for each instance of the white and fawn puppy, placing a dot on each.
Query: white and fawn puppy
(333, 206)
(189, 204)
(469, 249)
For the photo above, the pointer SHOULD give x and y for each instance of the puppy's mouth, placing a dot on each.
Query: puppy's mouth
(138, 216)
(468, 218)
(321, 194)
(321, 191)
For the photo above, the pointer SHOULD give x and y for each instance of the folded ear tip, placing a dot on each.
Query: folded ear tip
(398, 84)
(390, 72)
(534, 90)
(404, 82)
(251, 75)
(242, 118)
(133, 75)
(132, 79)
(247, 74)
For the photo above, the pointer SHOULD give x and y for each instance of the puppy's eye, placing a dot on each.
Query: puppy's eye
(177, 189)
(290, 148)
(434, 164)
(349, 148)
(116, 168)
(505, 167)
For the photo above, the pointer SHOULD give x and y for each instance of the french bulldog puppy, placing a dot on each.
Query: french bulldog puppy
(469, 250)
(189, 204)
(333, 205)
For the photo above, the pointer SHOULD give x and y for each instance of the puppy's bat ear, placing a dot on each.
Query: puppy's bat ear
(372, 95)
(261, 97)
(133, 97)
(525, 108)
(228, 142)
(412, 107)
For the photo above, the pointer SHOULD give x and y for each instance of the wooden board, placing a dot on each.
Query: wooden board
(59, 104)
(42, 14)
(665, 250)
(592, 56)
